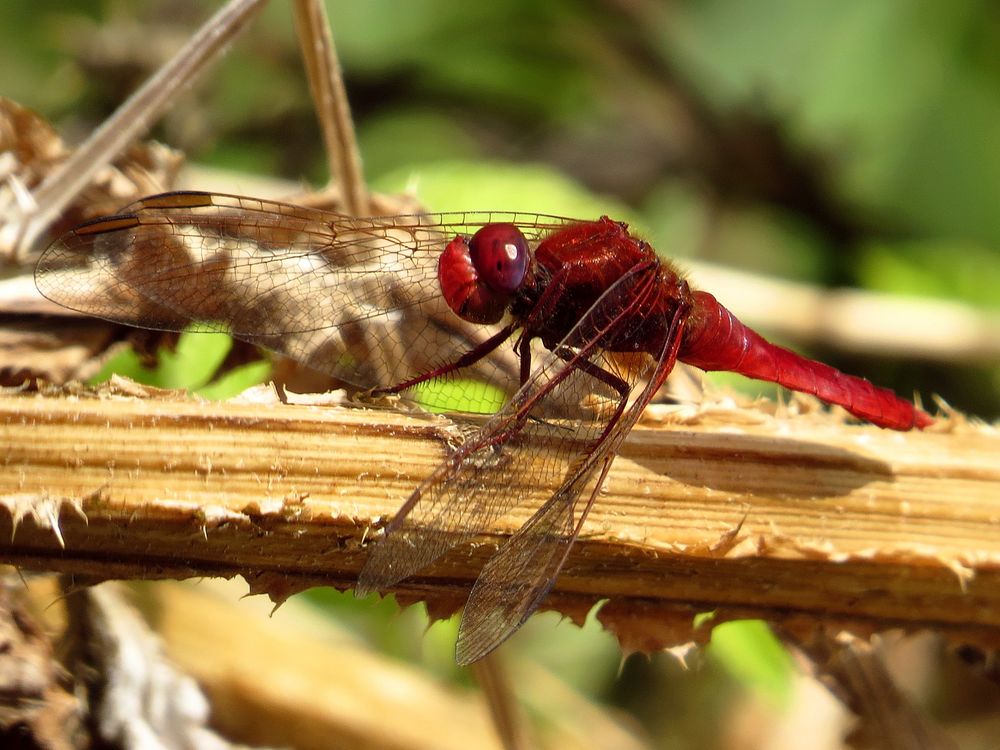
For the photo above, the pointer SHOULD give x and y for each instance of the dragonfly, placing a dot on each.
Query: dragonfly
(579, 322)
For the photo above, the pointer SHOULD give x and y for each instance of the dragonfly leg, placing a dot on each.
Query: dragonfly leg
(599, 373)
(469, 358)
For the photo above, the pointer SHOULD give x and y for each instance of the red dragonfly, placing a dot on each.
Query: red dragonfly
(388, 303)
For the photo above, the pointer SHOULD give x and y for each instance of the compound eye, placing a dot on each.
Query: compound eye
(500, 254)
(463, 290)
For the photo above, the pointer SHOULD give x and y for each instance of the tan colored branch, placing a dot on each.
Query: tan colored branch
(790, 520)
(856, 320)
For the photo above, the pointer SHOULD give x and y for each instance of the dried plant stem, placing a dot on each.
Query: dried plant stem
(856, 320)
(330, 100)
(792, 522)
(500, 698)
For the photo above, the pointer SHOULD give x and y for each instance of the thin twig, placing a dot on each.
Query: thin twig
(330, 100)
(500, 698)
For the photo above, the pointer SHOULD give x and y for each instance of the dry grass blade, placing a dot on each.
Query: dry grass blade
(856, 320)
(888, 719)
(504, 710)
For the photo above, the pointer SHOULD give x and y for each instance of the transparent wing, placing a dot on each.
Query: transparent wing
(517, 579)
(356, 298)
(510, 461)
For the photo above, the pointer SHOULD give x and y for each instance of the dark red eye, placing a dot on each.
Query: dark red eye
(463, 290)
(500, 254)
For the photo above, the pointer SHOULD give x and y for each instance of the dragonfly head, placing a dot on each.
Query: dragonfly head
(478, 278)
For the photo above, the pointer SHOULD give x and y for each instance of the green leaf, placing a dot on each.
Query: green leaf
(501, 186)
(195, 360)
(944, 268)
(236, 381)
(443, 396)
(409, 137)
(199, 353)
(702, 618)
(126, 364)
(748, 650)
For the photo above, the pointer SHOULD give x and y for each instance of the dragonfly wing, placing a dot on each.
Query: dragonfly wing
(508, 464)
(505, 465)
(517, 579)
(357, 298)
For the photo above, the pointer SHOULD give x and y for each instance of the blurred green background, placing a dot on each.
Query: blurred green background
(841, 144)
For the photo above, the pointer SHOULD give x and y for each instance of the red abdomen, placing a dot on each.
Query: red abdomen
(716, 340)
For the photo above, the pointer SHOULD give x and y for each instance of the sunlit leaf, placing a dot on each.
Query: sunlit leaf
(461, 186)
(750, 652)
